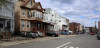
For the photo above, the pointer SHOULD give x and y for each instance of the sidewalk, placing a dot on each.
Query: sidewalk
(2, 44)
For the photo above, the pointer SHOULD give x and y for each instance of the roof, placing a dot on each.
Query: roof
(26, 1)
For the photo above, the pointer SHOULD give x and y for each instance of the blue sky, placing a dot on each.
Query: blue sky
(82, 11)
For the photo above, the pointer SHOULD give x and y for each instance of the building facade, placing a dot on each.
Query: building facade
(75, 27)
(29, 16)
(7, 18)
(99, 26)
(59, 23)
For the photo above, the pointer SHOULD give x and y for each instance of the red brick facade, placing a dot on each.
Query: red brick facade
(99, 26)
(75, 27)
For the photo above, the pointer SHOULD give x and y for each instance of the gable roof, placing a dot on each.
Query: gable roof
(36, 6)
(26, 1)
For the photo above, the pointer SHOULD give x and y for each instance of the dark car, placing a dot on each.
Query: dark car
(54, 34)
(92, 33)
(98, 35)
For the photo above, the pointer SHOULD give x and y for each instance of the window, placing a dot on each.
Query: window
(31, 2)
(28, 24)
(23, 24)
(33, 15)
(32, 25)
(23, 12)
(1, 24)
(38, 25)
(1, 8)
(28, 13)
(8, 24)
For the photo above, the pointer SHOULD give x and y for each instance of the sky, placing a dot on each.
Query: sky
(85, 12)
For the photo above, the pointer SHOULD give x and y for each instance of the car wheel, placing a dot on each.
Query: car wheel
(98, 38)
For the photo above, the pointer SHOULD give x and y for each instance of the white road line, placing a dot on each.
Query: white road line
(66, 47)
(77, 47)
(71, 47)
(63, 45)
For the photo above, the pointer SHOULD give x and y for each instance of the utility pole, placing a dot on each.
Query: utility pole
(95, 27)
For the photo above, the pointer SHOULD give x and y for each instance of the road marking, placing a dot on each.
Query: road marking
(77, 47)
(66, 47)
(63, 45)
(71, 47)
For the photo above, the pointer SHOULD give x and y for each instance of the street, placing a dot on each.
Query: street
(79, 41)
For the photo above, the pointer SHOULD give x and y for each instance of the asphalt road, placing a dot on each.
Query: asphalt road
(79, 41)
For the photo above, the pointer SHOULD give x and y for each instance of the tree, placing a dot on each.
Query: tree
(4, 3)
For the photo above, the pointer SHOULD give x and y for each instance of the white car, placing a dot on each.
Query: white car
(40, 34)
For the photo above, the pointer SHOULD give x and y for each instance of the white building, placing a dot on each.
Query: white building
(7, 18)
(55, 19)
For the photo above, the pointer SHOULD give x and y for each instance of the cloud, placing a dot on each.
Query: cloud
(73, 9)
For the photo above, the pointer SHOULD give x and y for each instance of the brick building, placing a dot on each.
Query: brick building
(75, 27)
(99, 26)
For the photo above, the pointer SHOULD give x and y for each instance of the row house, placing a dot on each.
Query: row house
(48, 19)
(29, 16)
(66, 25)
(58, 22)
(7, 17)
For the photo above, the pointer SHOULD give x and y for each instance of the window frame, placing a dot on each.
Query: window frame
(28, 24)
(1, 8)
(23, 24)
(23, 11)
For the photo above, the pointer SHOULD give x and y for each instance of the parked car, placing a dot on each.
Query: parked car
(65, 32)
(40, 34)
(32, 34)
(29, 34)
(70, 32)
(98, 35)
(92, 33)
(54, 34)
